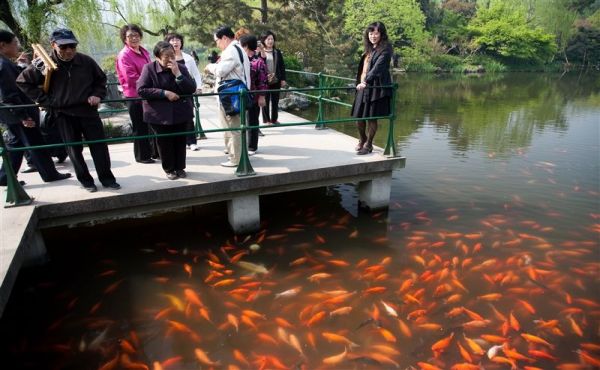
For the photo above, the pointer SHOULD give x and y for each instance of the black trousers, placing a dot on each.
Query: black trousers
(72, 129)
(141, 147)
(270, 111)
(190, 139)
(50, 135)
(20, 136)
(253, 113)
(171, 148)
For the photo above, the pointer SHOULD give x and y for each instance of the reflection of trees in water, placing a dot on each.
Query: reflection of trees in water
(498, 113)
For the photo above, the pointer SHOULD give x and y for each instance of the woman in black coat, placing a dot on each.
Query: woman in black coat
(163, 82)
(373, 71)
(276, 76)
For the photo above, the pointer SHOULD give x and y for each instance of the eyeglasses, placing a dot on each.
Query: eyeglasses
(133, 36)
(67, 46)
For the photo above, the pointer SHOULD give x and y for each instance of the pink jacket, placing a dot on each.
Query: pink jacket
(129, 68)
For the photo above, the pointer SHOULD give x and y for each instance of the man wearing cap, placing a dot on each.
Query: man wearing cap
(76, 88)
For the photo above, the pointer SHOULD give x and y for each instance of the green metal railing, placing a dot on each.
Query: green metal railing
(16, 195)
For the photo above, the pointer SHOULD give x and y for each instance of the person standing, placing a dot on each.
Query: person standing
(76, 88)
(371, 100)
(162, 83)
(22, 123)
(130, 61)
(233, 65)
(258, 78)
(276, 77)
(176, 40)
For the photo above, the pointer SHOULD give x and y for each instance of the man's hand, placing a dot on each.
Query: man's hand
(29, 122)
(93, 101)
(174, 67)
(171, 95)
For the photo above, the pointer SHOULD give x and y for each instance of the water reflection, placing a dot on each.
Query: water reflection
(494, 113)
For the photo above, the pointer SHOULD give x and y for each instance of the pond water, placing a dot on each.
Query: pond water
(488, 257)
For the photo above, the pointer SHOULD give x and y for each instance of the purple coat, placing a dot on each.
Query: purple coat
(158, 109)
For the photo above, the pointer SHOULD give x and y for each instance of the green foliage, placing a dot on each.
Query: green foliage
(584, 46)
(404, 20)
(447, 62)
(108, 63)
(503, 31)
(452, 31)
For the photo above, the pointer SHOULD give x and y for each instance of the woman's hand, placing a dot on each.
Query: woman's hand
(29, 122)
(361, 86)
(261, 101)
(171, 95)
(174, 67)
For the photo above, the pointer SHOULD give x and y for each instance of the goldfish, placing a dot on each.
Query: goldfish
(223, 282)
(534, 339)
(204, 359)
(473, 346)
(192, 297)
(335, 359)
(289, 293)
(316, 278)
(341, 311)
(295, 343)
(319, 316)
(389, 309)
(387, 335)
(233, 321)
(253, 267)
(442, 344)
(426, 366)
(332, 337)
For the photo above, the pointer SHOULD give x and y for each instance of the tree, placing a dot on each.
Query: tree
(30, 20)
(503, 31)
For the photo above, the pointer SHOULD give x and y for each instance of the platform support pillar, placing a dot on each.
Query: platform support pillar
(244, 213)
(375, 193)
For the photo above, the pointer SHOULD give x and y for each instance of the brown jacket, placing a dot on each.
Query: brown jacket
(70, 86)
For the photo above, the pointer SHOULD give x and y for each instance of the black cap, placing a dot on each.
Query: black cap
(63, 36)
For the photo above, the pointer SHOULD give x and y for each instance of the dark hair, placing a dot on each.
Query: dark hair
(174, 35)
(6, 36)
(224, 31)
(375, 26)
(130, 27)
(160, 47)
(249, 41)
(264, 36)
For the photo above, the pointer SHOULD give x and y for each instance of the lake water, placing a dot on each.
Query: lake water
(490, 247)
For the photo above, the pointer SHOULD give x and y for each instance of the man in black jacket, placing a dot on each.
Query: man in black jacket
(21, 123)
(76, 88)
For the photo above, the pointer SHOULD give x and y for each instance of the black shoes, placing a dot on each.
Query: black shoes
(60, 176)
(364, 150)
(146, 161)
(91, 188)
(181, 174)
(113, 186)
(29, 170)
(61, 158)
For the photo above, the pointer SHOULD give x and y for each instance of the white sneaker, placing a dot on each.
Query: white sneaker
(229, 164)
(225, 151)
(251, 152)
(194, 147)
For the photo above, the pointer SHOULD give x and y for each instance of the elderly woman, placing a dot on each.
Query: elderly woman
(129, 64)
(162, 83)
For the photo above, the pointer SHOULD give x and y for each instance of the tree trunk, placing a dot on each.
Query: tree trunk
(9, 20)
(264, 10)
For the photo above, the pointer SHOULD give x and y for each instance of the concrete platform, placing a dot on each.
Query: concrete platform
(288, 158)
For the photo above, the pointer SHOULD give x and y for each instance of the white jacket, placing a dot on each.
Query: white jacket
(192, 67)
(230, 67)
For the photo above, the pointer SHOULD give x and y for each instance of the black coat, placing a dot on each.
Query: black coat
(158, 109)
(378, 73)
(70, 86)
(10, 94)
(280, 66)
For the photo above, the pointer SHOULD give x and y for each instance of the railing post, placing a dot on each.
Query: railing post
(244, 167)
(320, 126)
(15, 194)
(198, 125)
(390, 146)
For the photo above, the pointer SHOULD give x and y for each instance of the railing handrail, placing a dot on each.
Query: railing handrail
(17, 196)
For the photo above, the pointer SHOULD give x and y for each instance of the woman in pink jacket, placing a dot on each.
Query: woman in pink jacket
(130, 61)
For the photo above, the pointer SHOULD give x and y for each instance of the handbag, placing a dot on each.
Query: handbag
(229, 97)
(229, 90)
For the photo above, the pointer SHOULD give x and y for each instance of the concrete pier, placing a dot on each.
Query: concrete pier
(288, 159)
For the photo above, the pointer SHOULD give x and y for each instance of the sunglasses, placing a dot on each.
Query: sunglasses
(67, 46)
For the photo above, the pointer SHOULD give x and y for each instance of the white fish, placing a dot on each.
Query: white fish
(493, 351)
(259, 269)
(289, 293)
(390, 310)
